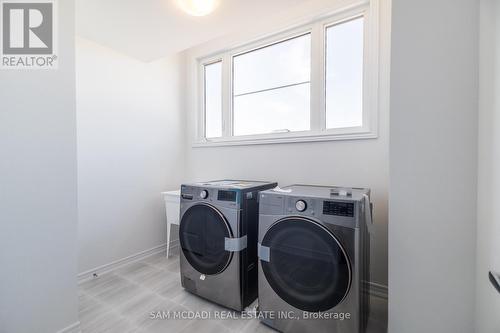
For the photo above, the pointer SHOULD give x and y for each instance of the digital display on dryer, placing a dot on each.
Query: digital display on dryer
(338, 208)
(226, 195)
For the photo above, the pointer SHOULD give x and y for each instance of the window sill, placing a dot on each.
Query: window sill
(285, 138)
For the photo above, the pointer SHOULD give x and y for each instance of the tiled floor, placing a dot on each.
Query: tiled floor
(121, 301)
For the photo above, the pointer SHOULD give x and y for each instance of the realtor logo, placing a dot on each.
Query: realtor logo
(28, 32)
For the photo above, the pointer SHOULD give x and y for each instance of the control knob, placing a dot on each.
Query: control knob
(301, 205)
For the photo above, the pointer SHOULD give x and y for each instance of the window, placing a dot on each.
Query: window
(271, 88)
(344, 74)
(312, 83)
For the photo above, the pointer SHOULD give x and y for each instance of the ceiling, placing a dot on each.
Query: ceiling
(151, 29)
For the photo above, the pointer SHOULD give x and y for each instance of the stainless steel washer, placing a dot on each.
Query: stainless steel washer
(314, 259)
(218, 237)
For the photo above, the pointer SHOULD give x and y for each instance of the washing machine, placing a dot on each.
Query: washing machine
(218, 238)
(314, 248)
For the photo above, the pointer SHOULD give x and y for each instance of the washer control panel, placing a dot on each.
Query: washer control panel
(318, 203)
(221, 197)
(311, 207)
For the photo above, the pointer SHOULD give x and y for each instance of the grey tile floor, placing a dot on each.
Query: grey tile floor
(122, 301)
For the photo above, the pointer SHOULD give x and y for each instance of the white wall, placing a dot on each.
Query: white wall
(488, 231)
(130, 148)
(38, 194)
(433, 166)
(362, 163)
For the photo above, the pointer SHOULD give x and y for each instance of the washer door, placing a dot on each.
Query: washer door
(308, 268)
(202, 232)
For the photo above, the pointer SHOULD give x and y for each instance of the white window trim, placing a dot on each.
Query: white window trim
(370, 11)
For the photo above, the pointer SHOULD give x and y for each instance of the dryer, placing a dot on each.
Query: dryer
(218, 238)
(314, 263)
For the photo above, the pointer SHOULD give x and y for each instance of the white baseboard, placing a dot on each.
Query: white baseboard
(174, 245)
(124, 261)
(378, 290)
(73, 328)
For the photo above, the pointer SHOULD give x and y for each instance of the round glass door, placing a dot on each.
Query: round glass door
(308, 268)
(201, 234)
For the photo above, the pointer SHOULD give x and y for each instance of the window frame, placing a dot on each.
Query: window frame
(318, 131)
